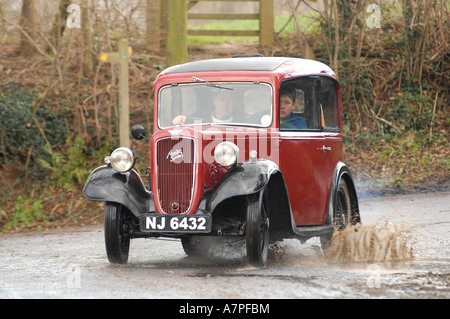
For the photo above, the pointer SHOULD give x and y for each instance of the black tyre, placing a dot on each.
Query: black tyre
(257, 231)
(343, 209)
(116, 241)
(197, 246)
(342, 214)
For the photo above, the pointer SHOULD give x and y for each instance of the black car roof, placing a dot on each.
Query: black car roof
(231, 64)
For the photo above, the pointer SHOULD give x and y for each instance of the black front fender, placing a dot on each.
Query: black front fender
(107, 185)
(245, 179)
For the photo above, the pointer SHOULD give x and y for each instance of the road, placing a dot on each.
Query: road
(71, 263)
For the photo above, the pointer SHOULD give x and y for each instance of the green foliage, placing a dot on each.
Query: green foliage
(68, 170)
(26, 129)
(411, 111)
(26, 212)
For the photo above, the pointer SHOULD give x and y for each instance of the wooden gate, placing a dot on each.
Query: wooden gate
(265, 17)
(167, 20)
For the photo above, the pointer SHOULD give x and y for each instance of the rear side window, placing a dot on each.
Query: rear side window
(309, 103)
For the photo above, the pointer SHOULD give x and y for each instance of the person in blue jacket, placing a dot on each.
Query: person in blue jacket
(287, 104)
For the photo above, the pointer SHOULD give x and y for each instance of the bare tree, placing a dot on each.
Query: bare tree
(60, 22)
(88, 63)
(28, 25)
(153, 17)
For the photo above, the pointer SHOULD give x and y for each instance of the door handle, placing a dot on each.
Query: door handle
(324, 149)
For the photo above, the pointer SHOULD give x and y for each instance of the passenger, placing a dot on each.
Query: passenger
(287, 104)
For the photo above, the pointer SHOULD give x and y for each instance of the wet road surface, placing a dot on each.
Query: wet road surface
(72, 263)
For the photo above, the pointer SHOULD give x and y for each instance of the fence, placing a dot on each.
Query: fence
(174, 15)
(265, 17)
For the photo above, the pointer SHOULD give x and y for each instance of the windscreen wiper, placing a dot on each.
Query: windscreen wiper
(196, 79)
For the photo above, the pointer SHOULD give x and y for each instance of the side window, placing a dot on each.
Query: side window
(329, 104)
(299, 107)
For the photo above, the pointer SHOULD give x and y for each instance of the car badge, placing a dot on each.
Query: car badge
(174, 155)
(175, 131)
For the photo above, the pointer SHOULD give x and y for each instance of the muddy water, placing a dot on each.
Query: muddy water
(371, 243)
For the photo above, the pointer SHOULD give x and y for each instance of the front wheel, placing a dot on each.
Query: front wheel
(116, 241)
(257, 231)
(197, 246)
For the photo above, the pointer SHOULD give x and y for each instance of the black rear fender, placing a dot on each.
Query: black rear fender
(343, 172)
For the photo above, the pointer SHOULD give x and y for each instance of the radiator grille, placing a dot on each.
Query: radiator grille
(175, 174)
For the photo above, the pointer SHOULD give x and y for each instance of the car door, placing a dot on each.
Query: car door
(305, 155)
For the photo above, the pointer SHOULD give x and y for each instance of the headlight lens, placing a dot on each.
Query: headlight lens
(122, 160)
(226, 154)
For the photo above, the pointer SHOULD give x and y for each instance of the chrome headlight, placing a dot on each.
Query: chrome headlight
(226, 154)
(122, 159)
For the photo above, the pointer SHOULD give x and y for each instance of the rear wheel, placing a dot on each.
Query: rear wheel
(257, 231)
(342, 214)
(116, 240)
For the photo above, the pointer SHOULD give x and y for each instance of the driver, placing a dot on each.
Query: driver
(223, 110)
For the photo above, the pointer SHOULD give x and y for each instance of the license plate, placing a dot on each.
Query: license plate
(175, 223)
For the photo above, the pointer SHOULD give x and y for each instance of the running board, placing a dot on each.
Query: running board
(311, 231)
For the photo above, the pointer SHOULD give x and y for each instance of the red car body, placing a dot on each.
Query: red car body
(285, 181)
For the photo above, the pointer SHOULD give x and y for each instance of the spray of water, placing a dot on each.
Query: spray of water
(371, 243)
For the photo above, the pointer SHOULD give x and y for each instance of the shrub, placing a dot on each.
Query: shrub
(25, 130)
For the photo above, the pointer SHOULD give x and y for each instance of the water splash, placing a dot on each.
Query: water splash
(370, 243)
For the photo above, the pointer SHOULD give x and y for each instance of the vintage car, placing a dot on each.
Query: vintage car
(246, 146)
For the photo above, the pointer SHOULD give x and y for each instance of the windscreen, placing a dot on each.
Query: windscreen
(218, 103)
